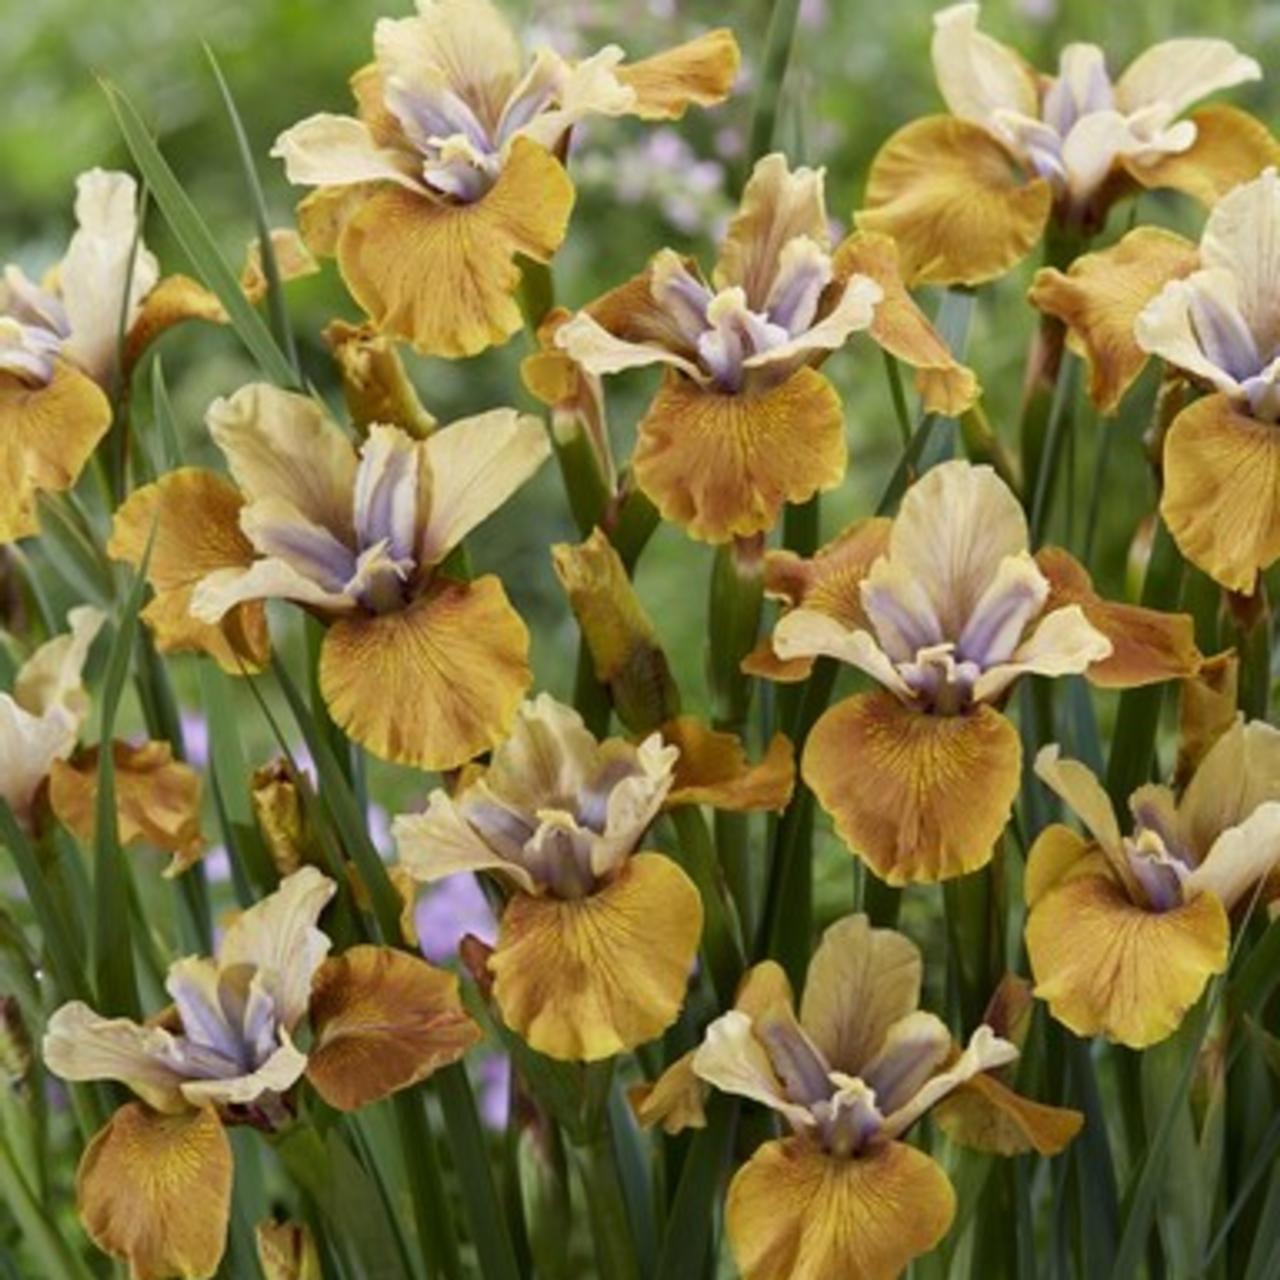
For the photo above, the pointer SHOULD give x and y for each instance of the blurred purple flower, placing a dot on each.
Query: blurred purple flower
(447, 911)
(195, 737)
(378, 822)
(814, 13)
(494, 1085)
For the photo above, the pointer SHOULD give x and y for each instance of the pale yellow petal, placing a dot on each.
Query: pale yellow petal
(1239, 772)
(1176, 73)
(700, 72)
(52, 678)
(1240, 858)
(713, 769)
(978, 76)
(336, 151)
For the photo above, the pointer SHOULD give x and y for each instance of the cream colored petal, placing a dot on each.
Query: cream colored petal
(279, 936)
(634, 803)
(337, 151)
(587, 88)
(282, 444)
(51, 679)
(861, 981)
(978, 76)
(29, 745)
(778, 205)
(281, 1071)
(100, 267)
(734, 1061)
(956, 525)
(1091, 148)
(1164, 328)
(1076, 784)
(549, 753)
(1242, 236)
(589, 344)
(853, 313)
(441, 842)
(913, 1049)
(1064, 643)
(1176, 73)
(806, 633)
(271, 579)
(476, 465)
(1240, 858)
(81, 1045)
(984, 1052)
(279, 531)
(1240, 772)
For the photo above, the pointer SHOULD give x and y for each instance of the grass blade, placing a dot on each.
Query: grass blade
(197, 241)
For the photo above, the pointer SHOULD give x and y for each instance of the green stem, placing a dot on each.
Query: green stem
(426, 1186)
(772, 72)
(721, 948)
(1057, 429)
(899, 397)
(616, 1255)
(39, 1233)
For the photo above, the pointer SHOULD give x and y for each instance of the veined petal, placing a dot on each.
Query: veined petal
(1230, 147)
(1239, 772)
(713, 769)
(723, 465)
(586, 978)
(386, 491)
(1108, 967)
(443, 276)
(476, 464)
(1059, 852)
(1240, 857)
(913, 1049)
(1064, 642)
(173, 301)
(1175, 73)
(777, 207)
(795, 1213)
(1147, 646)
(1014, 596)
(281, 444)
(382, 1020)
(1100, 297)
(978, 76)
(279, 936)
(80, 1045)
(899, 326)
(597, 350)
(861, 982)
(852, 313)
(1206, 711)
(986, 1115)
(806, 633)
(830, 582)
(1165, 327)
(47, 435)
(277, 1075)
(1076, 785)
(157, 799)
(336, 151)
(949, 193)
(279, 531)
(154, 1191)
(433, 684)
(196, 517)
(929, 795)
(549, 752)
(734, 1060)
(1221, 497)
(223, 590)
(700, 72)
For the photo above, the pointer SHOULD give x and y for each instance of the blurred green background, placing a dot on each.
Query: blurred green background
(859, 69)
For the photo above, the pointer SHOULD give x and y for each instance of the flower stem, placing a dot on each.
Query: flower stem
(773, 71)
(616, 1255)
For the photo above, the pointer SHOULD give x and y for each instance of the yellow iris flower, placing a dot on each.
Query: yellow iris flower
(744, 421)
(452, 170)
(1125, 930)
(1212, 312)
(154, 1185)
(968, 195)
(417, 666)
(945, 607)
(844, 1195)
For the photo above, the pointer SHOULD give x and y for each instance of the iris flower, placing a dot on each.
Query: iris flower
(968, 195)
(59, 342)
(1125, 930)
(844, 1194)
(452, 169)
(945, 608)
(157, 797)
(744, 421)
(417, 666)
(154, 1185)
(1212, 313)
(597, 938)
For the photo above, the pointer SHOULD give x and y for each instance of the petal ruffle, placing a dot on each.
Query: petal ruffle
(583, 979)
(434, 684)
(1221, 496)
(676, 1100)
(1231, 147)
(443, 276)
(1101, 295)
(196, 516)
(1108, 967)
(952, 198)
(174, 300)
(919, 797)
(382, 1020)
(155, 1191)
(796, 1213)
(985, 1115)
(899, 326)
(723, 465)
(1147, 646)
(47, 435)
(713, 769)
(698, 73)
